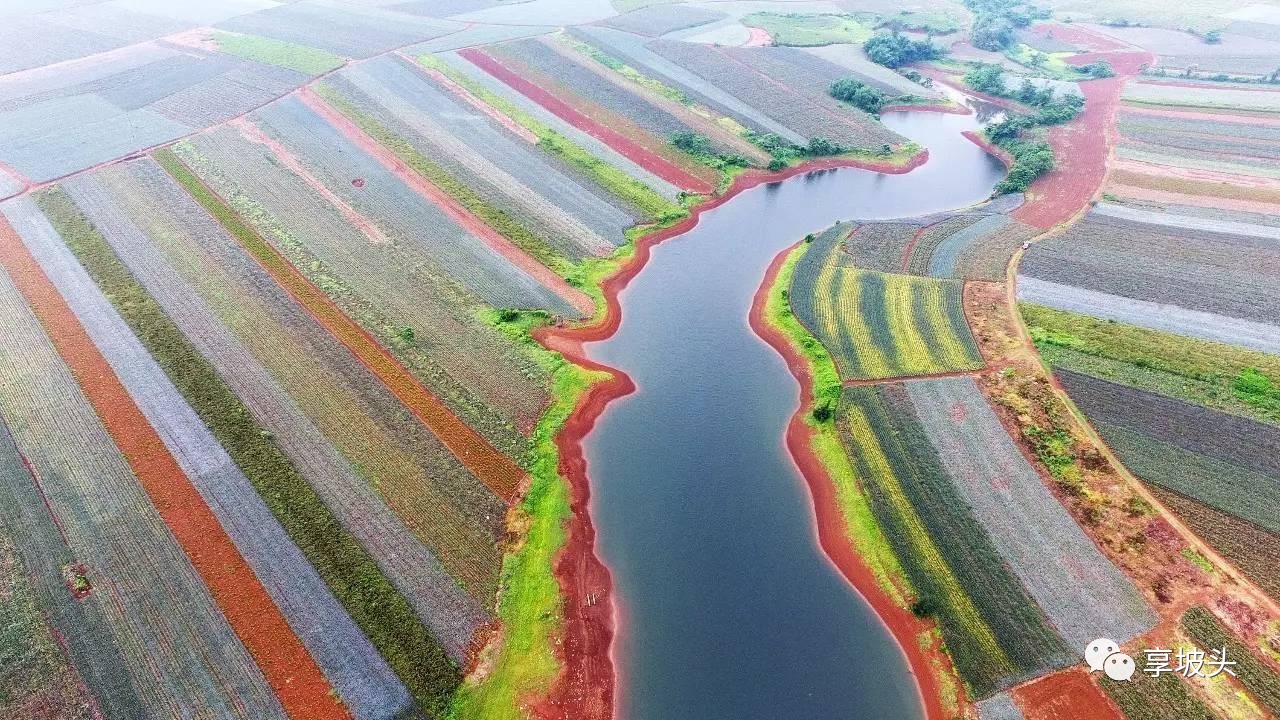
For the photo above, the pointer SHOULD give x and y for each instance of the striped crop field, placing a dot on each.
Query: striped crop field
(300, 58)
(484, 167)
(1230, 274)
(384, 287)
(450, 509)
(636, 52)
(1252, 549)
(994, 631)
(880, 325)
(358, 674)
(617, 176)
(327, 510)
(653, 153)
(1224, 461)
(1081, 592)
(739, 73)
(349, 30)
(82, 511)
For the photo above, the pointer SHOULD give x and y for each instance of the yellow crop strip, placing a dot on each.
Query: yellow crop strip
(910, 344)
(871, 357)
(922, 545)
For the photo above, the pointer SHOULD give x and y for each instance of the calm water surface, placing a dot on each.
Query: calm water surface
(730, 610)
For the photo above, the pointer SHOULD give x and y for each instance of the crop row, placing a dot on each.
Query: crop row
(877, 324)
(1150, 698)
(296, 473)
(384, 287)
(628, 122)
(803, 115)
(403, 216)
(879, 246)
(993, 630)
(139, 655)
(477, 163)
(1256, 676)
(617, 176)
(1078, 588)
(1255, 551)
(1167, 318)
(1203, 96)
(359, 675)
(1194, 158)
(1221, 460)
(1229, 274)
(635, 50)
(446, 506)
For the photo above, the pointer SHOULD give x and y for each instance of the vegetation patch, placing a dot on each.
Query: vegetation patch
(304, 59)
(809, 30)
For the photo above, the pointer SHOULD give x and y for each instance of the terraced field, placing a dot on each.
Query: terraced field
(876, 324)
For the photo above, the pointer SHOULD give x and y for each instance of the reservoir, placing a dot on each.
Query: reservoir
(728, 607)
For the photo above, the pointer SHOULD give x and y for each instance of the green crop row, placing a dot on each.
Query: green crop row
(1257, 677)
(1148, 698)
(380, 611)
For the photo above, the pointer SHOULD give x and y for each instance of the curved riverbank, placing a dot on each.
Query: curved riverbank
(831, 530)
(585, 652)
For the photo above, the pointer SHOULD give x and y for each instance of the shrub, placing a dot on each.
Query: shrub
(858, 94)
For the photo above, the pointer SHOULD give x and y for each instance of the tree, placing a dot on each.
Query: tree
(987, 78)
(692, 143)
(894, 49)
(857, 94)
(1213, 37)
(992, 32)
(1099, 69)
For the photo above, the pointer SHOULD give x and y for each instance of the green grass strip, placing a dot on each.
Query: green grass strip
(626, 188)
(302, 58)
(493, 216)
(1257, 677)
(380, 611)
(1215, 375)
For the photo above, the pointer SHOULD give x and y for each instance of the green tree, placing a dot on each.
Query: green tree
(858, 94)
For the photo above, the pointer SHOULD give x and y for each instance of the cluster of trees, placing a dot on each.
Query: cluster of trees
(893, 49)
(858, 94)
(783, 152)
(1051, 109)
(995, 22)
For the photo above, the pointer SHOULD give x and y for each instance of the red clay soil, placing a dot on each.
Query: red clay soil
(287, 666)
(998, 153)
(1082, 37)
(495, 470)
(1081, 148)
(585, 688)
(625, 146)
(757, 37)
(448, 205)
(1066, 695)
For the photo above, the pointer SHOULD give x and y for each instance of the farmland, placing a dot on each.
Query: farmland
(307, 306)
(879, 324)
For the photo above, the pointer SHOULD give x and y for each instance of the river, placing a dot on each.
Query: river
(728, 608)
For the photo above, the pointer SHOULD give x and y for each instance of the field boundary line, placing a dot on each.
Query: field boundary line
(292, 673)
(497, 471)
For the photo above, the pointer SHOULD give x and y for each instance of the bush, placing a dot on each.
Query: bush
(1099, 69)
(996, 21)
(692, 142)
(986, 77)
(895, 50)
(857, 94)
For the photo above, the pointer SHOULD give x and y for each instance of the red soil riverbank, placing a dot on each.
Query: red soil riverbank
(831, 529)
(585, 689)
